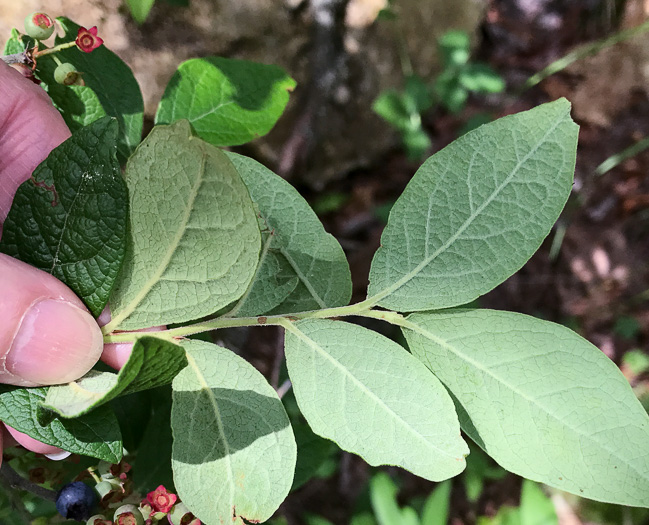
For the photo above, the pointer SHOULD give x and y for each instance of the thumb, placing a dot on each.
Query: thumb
(46, 334)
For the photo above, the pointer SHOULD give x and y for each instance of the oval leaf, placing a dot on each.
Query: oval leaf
(476, 211)
(540, 400)
(121, 98)
(152, 362)
(229, 102)
(234, 452)
(195, 240)
(69, 218)
(96, 434)
(371, 397)
(299, 252)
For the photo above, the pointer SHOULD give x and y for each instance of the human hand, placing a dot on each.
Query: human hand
(47, 336)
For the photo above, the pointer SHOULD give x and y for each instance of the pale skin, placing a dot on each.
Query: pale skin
(47, 335)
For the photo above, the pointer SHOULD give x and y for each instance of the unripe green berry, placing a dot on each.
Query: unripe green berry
(181, 515)
(39, 26)
(103, 469)
(67, 75)
(98, 519)
(128, 515)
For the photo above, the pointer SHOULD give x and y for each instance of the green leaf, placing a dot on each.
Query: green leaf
(233, 452)
(15, 43)
(152, 466)
(479, 467)
(418, 94)
(140, 9)
(436, 506)
(506, 516)
(69, 218)
(455, 48)
(476, 211)
(153, 362)
(481, 78)
(313, 452)
(390, 106)
(298, 240)
(540, 400)
(274, 281)
(96, 434)
(416, 143)
(451, 94)
(113, 82)
(133, 413)
(79, 105)
(536, 508)
(371, 397)
(195, 239)
(228, 102)
(383, 495)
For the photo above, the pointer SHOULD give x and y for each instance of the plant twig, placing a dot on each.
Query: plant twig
(10, 478)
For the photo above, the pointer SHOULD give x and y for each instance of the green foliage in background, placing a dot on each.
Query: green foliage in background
(458, 78)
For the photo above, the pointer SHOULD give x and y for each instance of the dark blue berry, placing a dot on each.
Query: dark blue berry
(76, 501)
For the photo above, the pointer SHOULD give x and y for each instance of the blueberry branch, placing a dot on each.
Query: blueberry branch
(11, 479)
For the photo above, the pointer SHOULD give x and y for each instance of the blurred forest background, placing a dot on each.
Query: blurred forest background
(382, 85)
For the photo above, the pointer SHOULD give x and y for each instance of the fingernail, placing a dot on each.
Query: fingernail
(56, 343)
(58, 456)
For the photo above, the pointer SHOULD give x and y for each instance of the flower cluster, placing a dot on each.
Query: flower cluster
(40, 26)
(159, 504)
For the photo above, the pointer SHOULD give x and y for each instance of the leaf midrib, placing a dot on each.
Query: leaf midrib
(310, 342)
(219, 422)
(164, 263)
(448, 346)
(427, 260)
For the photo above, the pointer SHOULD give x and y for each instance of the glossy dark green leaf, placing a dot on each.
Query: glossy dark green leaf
(96, 434)
(69, 219)
(113, 82)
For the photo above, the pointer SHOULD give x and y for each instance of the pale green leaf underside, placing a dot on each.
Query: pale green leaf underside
(476, 211)
(152, 362)
(227, 101)
(273, 282)
(234, 452)
(299, 245)
(371, 397)
(195, 239)
(540, 400)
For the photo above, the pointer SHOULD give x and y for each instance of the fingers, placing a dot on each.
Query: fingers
(46, 334)
(30, 128)
(116, 354)
(31, 443)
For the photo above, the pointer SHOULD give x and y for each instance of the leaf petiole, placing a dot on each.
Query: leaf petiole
(362, 309)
